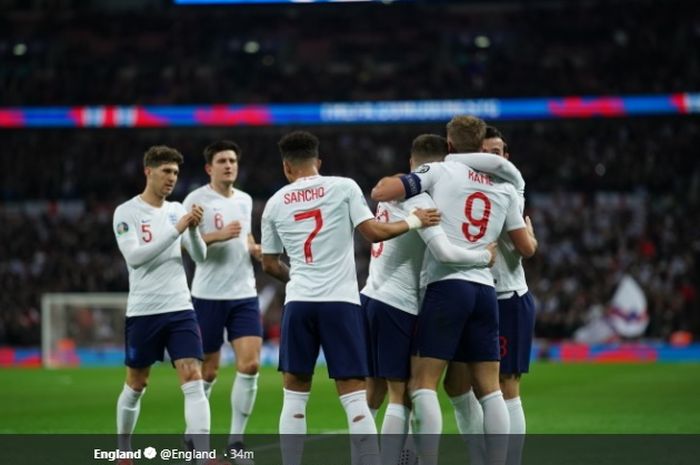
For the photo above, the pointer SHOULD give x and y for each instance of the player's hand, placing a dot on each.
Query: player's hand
(427, 216)
(184, 222)
(231, 230)
(256, 252)
(493, 250)
(197, 215)
(528, 227)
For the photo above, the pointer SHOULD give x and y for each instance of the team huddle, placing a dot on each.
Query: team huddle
(446, 291)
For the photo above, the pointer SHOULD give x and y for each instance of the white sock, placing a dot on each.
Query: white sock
(394, 430)
(293, 426)
(197, 414)
(516, 441)
(468, 413)
(496, 427)
(470, 422)
(427, 419)
(128, 408)
(207, 387)
(245, 389)
(361, 426)
(374, 412)
(517, 415)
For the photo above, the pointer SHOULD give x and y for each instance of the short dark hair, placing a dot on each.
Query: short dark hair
(161, 154)
(428, 147)
(298, 146)
(466, 133)
(221, 146)
(493, 133)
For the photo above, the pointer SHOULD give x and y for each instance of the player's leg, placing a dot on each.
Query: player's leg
(376, 385)
(517, 321)
(185, 348)
(129, 404)
(390, 333)
(396, 421)
(467, 410)
(244, 329)
(481, 348)
(144, 345)
(343, 338)
(299, 348)
(376, 393)
(211, 317)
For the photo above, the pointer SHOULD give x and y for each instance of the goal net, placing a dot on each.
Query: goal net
(82, 329)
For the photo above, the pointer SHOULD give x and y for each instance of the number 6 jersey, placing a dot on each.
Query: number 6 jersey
(475, 209)
(313, 220)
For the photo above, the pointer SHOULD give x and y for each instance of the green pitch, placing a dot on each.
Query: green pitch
(640, 398)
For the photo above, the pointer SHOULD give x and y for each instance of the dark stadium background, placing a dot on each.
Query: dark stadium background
(608, 196)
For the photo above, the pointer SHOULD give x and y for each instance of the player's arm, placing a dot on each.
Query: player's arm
(399, 187)
(448, 253)
(192, 240)
(254, 248)
(376, 231)
(520, 230)
(136, 254)
(389, 188)
(492, 164)
(273, 265)
(440, 246)
(229, 231)
(272, 246)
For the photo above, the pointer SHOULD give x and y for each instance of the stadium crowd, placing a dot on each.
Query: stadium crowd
(78, 53)
(606, 197)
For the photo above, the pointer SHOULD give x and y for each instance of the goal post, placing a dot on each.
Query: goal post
(82, 329)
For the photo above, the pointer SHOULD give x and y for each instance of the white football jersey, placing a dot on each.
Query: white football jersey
(313, 219)
(227, 273)
(475, 208)
(151, 246)
(395, 265)
(508, 271)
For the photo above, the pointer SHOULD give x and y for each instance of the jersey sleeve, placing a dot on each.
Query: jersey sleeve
(192, 239)
(359, 210)
(448, 253)
(271, 242)
(514, 218)
(423, 179)
(423, 201)
(492, 164)
(136, 254)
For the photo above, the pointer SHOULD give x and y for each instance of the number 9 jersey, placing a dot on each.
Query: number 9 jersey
(475, 209)
(313, 220)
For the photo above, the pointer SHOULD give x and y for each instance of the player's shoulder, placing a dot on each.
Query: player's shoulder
(242, 195)
(126, 207)
(340, 180)
(174, 206)
(198, 193)
(422, 200)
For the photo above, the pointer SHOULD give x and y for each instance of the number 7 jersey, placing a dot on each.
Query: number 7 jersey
(313, 220)
(475, 209)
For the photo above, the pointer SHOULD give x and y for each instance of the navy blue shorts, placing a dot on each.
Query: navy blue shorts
(240, 317)
(389, 332)
(146, 337)
(517, 325)
(337, 327)
(458, 322)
